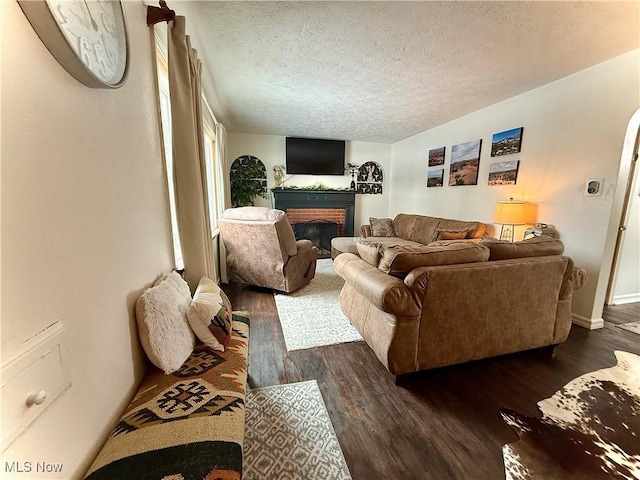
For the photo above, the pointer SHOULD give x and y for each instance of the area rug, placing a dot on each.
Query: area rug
(632, 327)
(311, 316)
(289, 435)
(589, 429)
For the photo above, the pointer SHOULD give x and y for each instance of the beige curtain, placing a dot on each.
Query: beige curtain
(185, 71)
(224, 167)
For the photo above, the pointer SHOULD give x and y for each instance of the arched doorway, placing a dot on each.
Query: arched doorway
(620, 215)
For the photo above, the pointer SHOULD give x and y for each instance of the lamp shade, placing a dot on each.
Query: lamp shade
(514, 212)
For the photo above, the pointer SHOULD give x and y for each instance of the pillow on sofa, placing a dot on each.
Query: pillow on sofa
(369, 251)
(210, 315)
(532, 247)
(449, 234)
(382, 227)
(398, 261)
(162, 323)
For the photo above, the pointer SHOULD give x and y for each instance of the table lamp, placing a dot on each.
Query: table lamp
(511, 213)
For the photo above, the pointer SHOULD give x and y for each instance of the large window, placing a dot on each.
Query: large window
(165, 115)
(213, 183)
(210, 166)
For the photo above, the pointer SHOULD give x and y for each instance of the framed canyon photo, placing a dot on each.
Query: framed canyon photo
(435, 178)
(465, 160)
(503, 173)
(436, 157)
(507, 142)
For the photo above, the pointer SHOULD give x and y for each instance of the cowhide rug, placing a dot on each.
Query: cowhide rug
(590, 429)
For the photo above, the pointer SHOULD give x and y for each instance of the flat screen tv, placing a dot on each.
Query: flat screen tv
(314, 156)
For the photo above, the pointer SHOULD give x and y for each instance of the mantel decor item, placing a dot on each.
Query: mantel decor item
(88, 38)
(353, 169)
(370, 178)
(511, 213)
(278, 176)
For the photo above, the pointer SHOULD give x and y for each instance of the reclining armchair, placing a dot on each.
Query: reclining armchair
(262, 249)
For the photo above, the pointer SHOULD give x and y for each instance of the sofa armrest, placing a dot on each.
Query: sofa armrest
(303, 246)
(574, 279)
(365, 230)
(385, 292)
(578, 278)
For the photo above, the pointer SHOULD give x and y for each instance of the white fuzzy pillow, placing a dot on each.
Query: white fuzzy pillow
(161, 312)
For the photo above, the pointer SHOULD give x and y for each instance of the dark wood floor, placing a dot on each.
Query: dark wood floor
(440, 424)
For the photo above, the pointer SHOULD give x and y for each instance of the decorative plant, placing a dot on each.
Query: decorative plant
(248, 180)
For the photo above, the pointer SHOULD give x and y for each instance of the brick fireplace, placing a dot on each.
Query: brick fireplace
(318, 215)
(310, 215)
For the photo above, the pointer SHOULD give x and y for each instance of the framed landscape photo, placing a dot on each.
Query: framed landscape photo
(465, 160)
(435, 178)
(507, 142)
(503, 173)
(436, 157)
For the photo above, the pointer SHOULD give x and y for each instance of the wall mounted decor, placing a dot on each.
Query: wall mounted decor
(88, 38)
(503, 173)
(370, 178)
(507, 142)
(435, 178)
(465, 160)
(436, 157)
(248, 179)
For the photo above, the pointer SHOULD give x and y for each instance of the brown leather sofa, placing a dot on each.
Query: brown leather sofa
(414, 230)
(429, 306)
(262, 249)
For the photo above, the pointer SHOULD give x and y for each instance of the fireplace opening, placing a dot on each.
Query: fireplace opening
(320, 232)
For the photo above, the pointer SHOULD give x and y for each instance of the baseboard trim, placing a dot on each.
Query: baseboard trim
(588, 323)
(623, 299)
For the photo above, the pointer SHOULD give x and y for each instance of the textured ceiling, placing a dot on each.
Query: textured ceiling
(383, 71)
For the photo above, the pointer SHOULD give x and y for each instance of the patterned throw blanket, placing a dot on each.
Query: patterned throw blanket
(189, 424)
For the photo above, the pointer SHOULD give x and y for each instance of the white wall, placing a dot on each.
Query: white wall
(271, 150)
(573, 130)
(84, 229)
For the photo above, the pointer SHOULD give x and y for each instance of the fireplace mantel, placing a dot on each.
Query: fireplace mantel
(288, 198)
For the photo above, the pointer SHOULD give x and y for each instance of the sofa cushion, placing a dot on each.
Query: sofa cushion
(424, 229)
(400, 260)
(404, 224)
(161, 314)
(450, 224)
(382, 227)
(532, 247)
(449, 235)
(209, 315)
(386, 242)
(369, 251)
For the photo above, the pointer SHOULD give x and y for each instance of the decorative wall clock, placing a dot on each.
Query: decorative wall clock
(87, 37)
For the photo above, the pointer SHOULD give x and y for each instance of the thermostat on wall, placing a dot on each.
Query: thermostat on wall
(593, 187)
